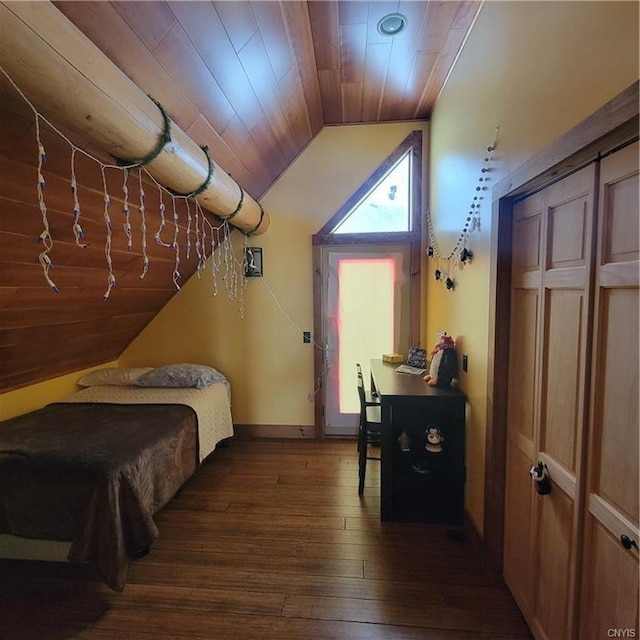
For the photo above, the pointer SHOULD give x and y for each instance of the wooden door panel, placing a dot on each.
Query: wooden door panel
(620, 200)
(610, 596)
(569, 229)
(526, 236)
(616, 411)
(562, 375)
(518, 546)
(524, 344)
(567, 235)
(554, 545)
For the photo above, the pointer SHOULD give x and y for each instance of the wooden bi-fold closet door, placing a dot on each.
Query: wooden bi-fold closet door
(548, 383)
(573, 404)
(609, 598)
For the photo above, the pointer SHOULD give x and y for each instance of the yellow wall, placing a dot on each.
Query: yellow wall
(536, 69)
(15, 403)
(262, 354)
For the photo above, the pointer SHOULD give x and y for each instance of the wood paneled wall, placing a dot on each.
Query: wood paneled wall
(42, 333)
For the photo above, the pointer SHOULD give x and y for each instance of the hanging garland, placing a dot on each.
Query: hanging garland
(165, 138)
(236, 211)
(223, 259)
(461, 254)
(206, 182)
(252, 231)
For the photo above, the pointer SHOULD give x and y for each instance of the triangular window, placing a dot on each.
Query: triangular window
(386, 207)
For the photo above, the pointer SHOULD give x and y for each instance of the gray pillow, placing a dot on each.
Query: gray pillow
(180, 376)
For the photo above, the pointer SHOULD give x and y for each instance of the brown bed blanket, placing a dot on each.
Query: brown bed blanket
(94, 474)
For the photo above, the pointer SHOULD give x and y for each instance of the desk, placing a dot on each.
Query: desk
(419, 484)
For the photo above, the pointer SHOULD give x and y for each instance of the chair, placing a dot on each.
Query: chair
(369, 428)
(371, 399)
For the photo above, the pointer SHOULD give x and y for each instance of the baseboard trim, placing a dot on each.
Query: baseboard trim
(282, 431)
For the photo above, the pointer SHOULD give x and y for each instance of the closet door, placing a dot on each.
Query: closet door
(550, 325)
(522, 432)
(565, 349)
(609, 602)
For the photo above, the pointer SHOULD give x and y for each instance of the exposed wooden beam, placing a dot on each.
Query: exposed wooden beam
(70, 81)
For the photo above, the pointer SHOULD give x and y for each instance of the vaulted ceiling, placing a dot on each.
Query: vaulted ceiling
(253, 81)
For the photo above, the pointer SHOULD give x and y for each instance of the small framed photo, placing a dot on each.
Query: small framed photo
(253, 262)
(417, 357)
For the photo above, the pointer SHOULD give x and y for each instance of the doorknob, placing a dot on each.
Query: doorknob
(627, 542)
(540, 475)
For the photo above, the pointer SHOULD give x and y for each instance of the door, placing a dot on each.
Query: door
(365, 302)
(550, 327)
(609, 602)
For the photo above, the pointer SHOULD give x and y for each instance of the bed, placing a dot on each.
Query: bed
(93, 469)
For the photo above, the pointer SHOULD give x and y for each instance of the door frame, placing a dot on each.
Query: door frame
(412, 238)
(402, 338)
(415, 304)
(614, 125)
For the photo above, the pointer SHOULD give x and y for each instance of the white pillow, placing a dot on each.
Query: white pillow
(120, 376)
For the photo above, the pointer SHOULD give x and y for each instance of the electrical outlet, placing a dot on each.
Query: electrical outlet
(306, 337)
(311, 397)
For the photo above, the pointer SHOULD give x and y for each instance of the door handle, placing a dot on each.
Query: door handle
(540, 475)
(628, 542)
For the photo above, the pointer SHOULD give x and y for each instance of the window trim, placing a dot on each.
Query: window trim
(413, 144)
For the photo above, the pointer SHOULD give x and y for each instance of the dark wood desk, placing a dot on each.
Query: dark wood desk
(419, 484)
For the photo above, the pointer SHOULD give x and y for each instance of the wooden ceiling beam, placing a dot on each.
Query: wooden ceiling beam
(70, 81)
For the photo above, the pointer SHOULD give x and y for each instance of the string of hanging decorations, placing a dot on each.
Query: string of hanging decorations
(461, 253)
(211, 242)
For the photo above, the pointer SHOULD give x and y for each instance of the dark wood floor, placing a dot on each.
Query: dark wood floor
(269, 540)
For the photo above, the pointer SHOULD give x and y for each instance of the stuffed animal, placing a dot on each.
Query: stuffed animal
(434, 439)
(444, 365)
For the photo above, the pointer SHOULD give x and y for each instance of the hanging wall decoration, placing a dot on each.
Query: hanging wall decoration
(219, 250)
(461, 254)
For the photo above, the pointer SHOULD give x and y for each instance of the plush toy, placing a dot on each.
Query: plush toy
(444, 365)
(434, 439)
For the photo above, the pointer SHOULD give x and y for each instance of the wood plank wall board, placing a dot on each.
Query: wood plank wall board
(32, 318)
(43, 334)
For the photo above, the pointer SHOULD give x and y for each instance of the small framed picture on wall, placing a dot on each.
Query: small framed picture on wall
(253, 262)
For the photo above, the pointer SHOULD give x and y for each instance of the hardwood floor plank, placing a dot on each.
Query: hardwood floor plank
(270, 540)
(281, 564)
(320, 478)
(413, 613)
(202, 625)
(365, 510)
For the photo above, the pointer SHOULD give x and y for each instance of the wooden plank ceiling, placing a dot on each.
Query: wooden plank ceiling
(255, 82)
